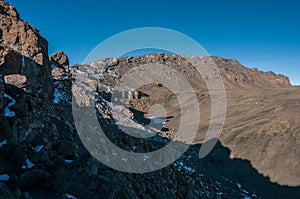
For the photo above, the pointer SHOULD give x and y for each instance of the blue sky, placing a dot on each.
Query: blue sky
(262, 34)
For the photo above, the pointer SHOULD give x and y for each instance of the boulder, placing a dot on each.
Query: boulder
(16, 80)
(33, 178)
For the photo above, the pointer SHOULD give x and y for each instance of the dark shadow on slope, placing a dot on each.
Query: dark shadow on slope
(218, 166)
(235, 177)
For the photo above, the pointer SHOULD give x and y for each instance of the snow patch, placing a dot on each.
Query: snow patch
(70, 196)
(29, 164)
(57, 96)
(158, 120)
(181, 165)
(4, 177)
(3, 143)
(38, 148)
(68, 161)
(147, 156)
(7, 112)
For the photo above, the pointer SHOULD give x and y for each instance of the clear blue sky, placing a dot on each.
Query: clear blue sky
(262, 34)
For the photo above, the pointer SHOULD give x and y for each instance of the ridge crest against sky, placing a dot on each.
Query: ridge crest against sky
(261, 34)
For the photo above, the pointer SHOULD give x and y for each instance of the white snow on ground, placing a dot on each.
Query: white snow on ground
(70, 196)
(157, 120)
(3, 143)
(147, 156)
(4, 177)
(68, 161)
(28, 165)
(38, 148)
(7, 112)
(181, 165)
(57, 96)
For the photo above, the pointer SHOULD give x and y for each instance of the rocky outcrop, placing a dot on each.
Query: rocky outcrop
(23, 51)
(236, 75)
(8, 9)
(60, 66)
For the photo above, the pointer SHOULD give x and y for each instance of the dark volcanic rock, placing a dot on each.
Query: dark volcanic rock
(32, 178)
(6, 193)
(2, 91)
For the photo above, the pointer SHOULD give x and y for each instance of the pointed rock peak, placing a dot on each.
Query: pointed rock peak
(8, 9)
(59, 59)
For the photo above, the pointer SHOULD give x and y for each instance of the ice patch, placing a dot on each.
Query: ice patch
(68, 161)
(246, 192)
(187, 168)
(238, 185)
(70, 196)
(158, 120)
(3, 143)
(57, 96)
(38, 148)
(4, 177)
(147, 156)
(29, 164)
(7, 112)
(23, 61)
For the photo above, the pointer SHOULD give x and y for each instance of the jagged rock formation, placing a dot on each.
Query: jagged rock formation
(23, 51)
(235, 75)
(60, 65)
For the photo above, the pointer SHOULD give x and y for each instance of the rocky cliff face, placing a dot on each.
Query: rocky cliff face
(23, 51)
(236, 75)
